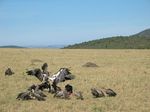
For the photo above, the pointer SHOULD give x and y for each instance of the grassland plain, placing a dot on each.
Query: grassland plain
(125, 71)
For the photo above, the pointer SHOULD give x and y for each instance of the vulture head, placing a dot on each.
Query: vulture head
(45, 68)
(69, 88)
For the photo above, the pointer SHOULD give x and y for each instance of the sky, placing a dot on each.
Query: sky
(64, 22)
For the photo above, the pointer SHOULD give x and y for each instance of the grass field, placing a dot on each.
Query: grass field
(125, 71)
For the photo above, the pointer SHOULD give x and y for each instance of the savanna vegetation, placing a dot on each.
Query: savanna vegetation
(127, 72)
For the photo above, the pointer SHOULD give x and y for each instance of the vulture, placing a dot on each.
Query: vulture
(33, 94)
(102, 92)
(110, 92)
(9, 72)
(42, 75)
(62, 75)
(65, 94)
(24, 96)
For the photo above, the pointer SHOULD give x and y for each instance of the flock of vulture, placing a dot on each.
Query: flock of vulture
(50, 83)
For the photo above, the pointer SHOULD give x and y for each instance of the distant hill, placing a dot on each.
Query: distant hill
(11, 46)
(46, 46)
(35, 46)
(138, 41)
(56, 46)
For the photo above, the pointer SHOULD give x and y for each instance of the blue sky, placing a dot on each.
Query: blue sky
(53, 22)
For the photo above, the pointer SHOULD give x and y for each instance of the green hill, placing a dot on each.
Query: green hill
(138, 41)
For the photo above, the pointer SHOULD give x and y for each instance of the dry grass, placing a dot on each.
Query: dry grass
(125, 71)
